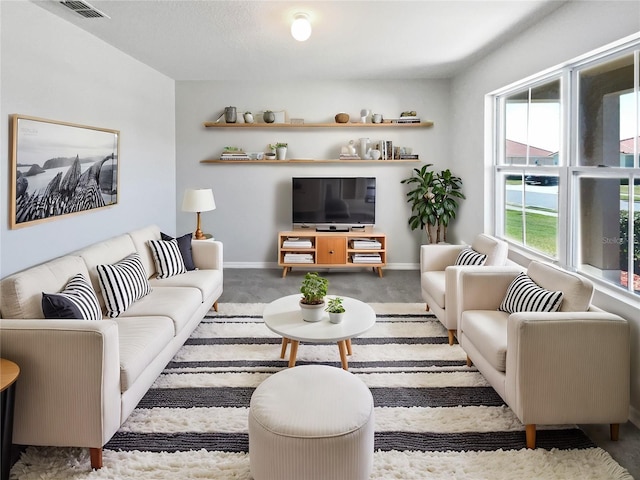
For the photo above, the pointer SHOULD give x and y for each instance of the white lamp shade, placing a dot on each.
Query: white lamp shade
(198, 200)
(301, 27)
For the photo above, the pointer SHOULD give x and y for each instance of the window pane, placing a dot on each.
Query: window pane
(513, 194)
(604, 229)
(607, 115)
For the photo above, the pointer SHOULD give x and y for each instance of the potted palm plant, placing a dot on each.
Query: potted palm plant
(433, 201)
(336, 309)
(313, 289)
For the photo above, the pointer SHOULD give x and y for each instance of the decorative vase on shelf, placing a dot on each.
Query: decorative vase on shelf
(281, 153)
(268, 116)
(248, 117)
(230, 115)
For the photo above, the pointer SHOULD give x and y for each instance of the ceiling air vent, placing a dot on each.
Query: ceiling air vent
(84, 9)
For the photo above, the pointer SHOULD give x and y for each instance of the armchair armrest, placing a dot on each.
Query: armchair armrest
(207, 254)
(568, 367)
(436, 257)
(68, 391)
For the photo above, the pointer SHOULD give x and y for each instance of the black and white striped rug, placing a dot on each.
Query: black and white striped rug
(435, 417)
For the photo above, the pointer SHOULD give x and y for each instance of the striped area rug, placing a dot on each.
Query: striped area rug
(435, 417)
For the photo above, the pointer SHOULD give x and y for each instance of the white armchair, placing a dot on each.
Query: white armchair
(438, 275)
(566, 367)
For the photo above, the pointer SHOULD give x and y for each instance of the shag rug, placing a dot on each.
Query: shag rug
(435, 417)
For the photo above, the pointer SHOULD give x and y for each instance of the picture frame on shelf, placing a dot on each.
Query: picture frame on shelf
(59, 168)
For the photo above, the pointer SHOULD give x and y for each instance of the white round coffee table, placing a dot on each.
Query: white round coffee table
(284, 317)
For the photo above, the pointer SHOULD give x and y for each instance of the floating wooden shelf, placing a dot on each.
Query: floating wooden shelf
(317, 125)
(307, 161)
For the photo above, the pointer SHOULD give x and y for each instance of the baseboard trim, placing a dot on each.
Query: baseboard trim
(265, 265)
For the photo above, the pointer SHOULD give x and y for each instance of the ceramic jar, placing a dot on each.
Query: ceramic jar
(268, 116)
(230, 115)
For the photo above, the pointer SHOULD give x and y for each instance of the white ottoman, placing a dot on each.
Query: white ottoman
(311, 422)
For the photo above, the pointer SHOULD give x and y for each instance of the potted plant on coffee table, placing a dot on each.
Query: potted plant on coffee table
(336, 309)
(313, 289)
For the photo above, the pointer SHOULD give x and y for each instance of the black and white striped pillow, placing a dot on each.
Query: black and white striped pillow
(524, 295)
(77, 301)
(167, 257)
(122, 284)
(469, 256)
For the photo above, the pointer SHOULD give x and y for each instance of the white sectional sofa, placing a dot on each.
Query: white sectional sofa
(79, 379)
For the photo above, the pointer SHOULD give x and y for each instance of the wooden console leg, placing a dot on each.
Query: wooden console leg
(283, 350)
(379, 271)
(531, 435)
(451, 336)
(469, 362)
(614, 430)
(284, 271)
(293, 353)
(96, 458)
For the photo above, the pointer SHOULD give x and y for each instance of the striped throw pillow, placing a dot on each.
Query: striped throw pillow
(524, 295)
(77, 300)
(122, 284)
(469, 256)
(167, 257)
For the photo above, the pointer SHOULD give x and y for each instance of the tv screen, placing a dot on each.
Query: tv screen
(334, 200)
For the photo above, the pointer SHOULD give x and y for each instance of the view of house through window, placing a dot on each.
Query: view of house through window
(574, 135)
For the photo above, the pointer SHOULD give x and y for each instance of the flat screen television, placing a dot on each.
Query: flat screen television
(333, 201)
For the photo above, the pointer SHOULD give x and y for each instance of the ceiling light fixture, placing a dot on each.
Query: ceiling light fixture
(301, 27)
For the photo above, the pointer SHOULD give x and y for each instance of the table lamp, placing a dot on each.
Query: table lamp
(198, 200)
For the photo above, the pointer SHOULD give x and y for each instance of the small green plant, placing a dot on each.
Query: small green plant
(313, 289)
(280, 144)
(334, 305)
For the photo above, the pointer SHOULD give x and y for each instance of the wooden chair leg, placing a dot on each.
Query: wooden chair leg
(614, 430)
(451, 336)
(215, 306)
(531, 435)
(96, 458)
(426, 307)
(469, 362)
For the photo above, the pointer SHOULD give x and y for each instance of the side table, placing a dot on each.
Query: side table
(9, 373)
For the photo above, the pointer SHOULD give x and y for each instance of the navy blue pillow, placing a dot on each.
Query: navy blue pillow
(184, 244)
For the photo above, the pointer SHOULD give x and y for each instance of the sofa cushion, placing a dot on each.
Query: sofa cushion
(21, 293)
(495, 249)
(122, 284)
(577, 291)
(141, 340)
(206, 281)
(140, 238)
(523, 295)
(184, 244)
(177, 303)
(434, 283)
(469, 256)
(76, 301)
(487, 330)
(167, 258)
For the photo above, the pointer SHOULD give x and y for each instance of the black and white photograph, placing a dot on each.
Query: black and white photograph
(60, 168)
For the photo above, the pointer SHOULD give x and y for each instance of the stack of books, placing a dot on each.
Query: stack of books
(366, 258)
(297, 243)
(407, 119)
(366, 243)
(234, 155)
(349, 156)
(298, 258)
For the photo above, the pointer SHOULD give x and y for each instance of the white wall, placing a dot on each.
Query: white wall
(254, 201)
(573, 30)
(52, 69)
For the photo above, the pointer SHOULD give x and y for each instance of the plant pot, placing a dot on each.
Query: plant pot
(336, 317)
(281, 153)
(312, 313)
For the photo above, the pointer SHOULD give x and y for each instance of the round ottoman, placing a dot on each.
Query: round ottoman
(311, 422)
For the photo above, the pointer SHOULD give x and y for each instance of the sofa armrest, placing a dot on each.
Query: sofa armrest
(207, 254)
(568, 367)
(483, 288)
(68, 391)
(437, 257)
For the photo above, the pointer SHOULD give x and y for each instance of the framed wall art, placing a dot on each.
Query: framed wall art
(59, 168)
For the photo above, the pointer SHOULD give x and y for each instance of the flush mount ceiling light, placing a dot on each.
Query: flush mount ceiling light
(301, 27)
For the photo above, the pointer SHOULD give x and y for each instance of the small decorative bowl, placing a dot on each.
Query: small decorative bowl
(342, 117)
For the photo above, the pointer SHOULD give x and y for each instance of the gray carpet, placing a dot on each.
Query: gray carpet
(265, 285)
